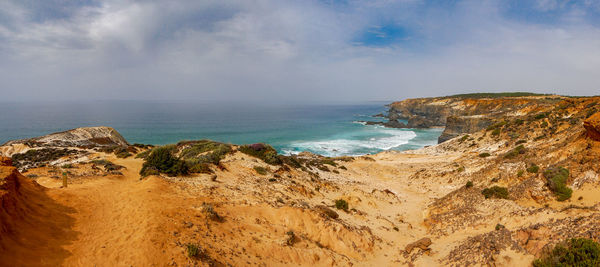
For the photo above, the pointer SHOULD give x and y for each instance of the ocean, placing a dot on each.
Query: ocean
(330, 130)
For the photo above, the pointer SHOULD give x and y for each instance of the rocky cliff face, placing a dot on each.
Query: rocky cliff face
(592, 126)
(458, 125)
(461, 115)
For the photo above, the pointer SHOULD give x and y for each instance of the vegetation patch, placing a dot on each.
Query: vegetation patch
(260, 170)
(495, 192)
(192, 250)
(469, 184)
(35, 157)
(484, 155)
(162, 160)
(341, 204)
(557, 182)
(262, 151)
(533, 169)
(573, 252)
(496, 95)
(108, 166)
(513, 153)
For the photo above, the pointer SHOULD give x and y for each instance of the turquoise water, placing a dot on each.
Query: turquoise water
(330, 130)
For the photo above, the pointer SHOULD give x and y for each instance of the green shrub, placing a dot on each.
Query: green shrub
(484, 155)
(199, 167)
(520, 173)
(573, 252)
(541, 116)
(544, 124)
(329, 162)
(260, 170)
(533, 169)
(341, 204)
(143, 154)
(496, 132)
(192, 250)
(262, 151)
(123, 154)
(469, 184)
(162, 160)
(557, 179)
(521, 142)
(513, 153)
(495, 192)
(464, 138)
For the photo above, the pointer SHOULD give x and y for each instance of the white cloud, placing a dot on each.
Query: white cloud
(288, 51)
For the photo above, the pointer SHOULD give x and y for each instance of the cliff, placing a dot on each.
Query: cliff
(80, 137)
(460, 115)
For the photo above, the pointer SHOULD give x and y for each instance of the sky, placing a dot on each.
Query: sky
(295, 51)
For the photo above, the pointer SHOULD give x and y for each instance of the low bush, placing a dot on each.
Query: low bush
(484, 155)
(573, 252)
(557, 182)
(341, 204)
(533, 169)
(513, 153)
(162, 160)
(469, 184)
(192, 250)
(496, 132)
(262, 151)
(495, 192)
(521, 142)
(520, 173)
(260, 170)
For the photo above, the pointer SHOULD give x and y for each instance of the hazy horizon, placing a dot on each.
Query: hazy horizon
(294, 51)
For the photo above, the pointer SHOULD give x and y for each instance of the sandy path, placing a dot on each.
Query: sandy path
(117, 219)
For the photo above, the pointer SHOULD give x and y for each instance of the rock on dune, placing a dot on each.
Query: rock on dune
(592, 126)
(79, 137)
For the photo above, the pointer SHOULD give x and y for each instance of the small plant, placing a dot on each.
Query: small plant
(495, 192)
(291, 238)
(484, 155)
(533, 169)
(341, 204)
(521, 142)
(520, 173)
(499, 227)
(557, 179)
(573, 252)
(67, 166)
(544, 124)
(260, 170)
(123, 155)
(496, 132)
(211, 213)
(469, 184)
(513, 153)
(464, 138)
(192, 250)
(461, 169)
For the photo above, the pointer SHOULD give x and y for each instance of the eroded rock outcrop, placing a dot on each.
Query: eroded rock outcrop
(592, 126)
(100, 136)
